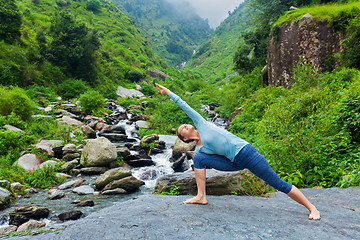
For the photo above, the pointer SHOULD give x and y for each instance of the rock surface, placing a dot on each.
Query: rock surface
(28, 162)
(98, 152)
(111, 175)
(25, 213)
(4, 197)
(124, 92)
(225, 217)
(31, 225)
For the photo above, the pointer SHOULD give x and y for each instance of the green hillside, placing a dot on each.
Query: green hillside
(175, 31)
(214, 58)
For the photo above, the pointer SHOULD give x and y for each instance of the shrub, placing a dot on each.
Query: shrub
(92, 102)
(134, 76)
(14, 100)
(72, 88)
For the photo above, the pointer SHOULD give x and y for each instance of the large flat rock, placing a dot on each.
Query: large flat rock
(225, 217)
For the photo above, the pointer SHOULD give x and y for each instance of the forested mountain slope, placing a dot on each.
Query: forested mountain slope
(175, 30)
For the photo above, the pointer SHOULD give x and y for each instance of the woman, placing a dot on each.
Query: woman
(221, 150)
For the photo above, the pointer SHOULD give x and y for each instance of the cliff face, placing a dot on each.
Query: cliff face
(307, 41)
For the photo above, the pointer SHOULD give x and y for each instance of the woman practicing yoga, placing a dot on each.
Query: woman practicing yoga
(221, 150)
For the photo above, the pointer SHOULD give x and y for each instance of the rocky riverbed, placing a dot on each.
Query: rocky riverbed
(225, 217)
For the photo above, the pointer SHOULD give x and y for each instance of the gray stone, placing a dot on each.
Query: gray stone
(98, 152)
(8, 229)
(115, 191)
(66, 167)
(129, 184)
(149, 139)
(88, 130)
(70, 184)
(156, 73)
(111, 175)
(28, 162)
(140, 162)
(124, 92)
(4, 197)
(70, 121)
(48, 145)
(113, 129)
(142, 124)
(83, 190)
(56, 195)
(217, 183)
(114, 137)
(31, 224)
(94, 170)
(71, 156)
(181, 147)
(58, 175)
(25, 213)
(16, 186)
(49, 163)
(123, 151)
(69, 148)
(12, 128)
(84, 203)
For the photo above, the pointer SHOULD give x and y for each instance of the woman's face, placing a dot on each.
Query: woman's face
(186, 131)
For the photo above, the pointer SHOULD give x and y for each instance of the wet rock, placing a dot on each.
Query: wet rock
(56, 195)
(178, 165)
(31, 190)
(88, 131)
(113, 129)
(93, 170)
(111, 175)
(31, 224)
(70, 184)
(217, 183)
(115, 191)
(25, 213)
(149, 139)
(114, 137)
(181, 147)
(130, 184)
(12, 128)
(149, 175)
(8, 229)
(98, 152)
(83, 190)
(4, 198)
(28, 162)
(66, 167)
(16, 186)
(70, 215)
(140, 162)
(83, 203)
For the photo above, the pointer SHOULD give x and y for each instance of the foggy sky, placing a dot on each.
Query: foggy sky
(213, 10)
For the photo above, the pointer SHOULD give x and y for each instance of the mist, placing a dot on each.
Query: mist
(214, 10)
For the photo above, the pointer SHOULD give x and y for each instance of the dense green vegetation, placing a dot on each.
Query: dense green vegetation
(175, 31)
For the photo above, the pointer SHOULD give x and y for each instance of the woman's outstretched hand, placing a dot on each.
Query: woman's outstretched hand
(162, 89)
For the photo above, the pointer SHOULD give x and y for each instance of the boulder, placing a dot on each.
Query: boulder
(71, 156)
(69, 148)
(98, 152)
(48, 146)
(66, 167)
(12, 128)
(4, 198)
(70, 215)
(123, 151)
(124, 92)
(70, 121)
(114, 137)
(88, 131)
(8, 229)
(113, 129)
(142, 124)
(16, 186)
(25, 213)
(156, 73)
(178, 165)
(140, 162)
(83, 190)
(111, 175)
(83, 203)
(31, 224)
(49, 163)
(70, 184)
(129, 184)
(217, 183)
(149, 139)
(181, 147)
(28, 162)
(93, 170)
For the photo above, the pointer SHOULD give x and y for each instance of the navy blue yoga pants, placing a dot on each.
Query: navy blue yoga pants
(249, 158)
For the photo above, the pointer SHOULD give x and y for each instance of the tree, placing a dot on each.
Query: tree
(93, 5)
(73, 48)
(10, 21)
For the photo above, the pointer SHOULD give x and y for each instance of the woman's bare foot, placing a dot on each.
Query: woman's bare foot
(196, 200)
(314, 215)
